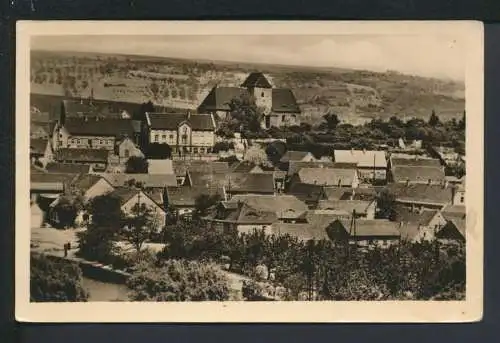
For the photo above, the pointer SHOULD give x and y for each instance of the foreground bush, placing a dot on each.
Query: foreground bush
(178, 280)
(55, 280)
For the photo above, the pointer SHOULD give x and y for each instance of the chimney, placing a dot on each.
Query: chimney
(429, 182)
(340, 183)
(407, 182)
(188, 114)
(445, 184)
(353, 193)
(412, 208)
(401, 224)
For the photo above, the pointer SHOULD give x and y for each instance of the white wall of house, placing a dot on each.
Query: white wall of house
(370, 210)
(127, 148)
(378, 242)
(263, 99)
(144, 199)
(203, 138)
(36, 216)
(368, 173)
(163, 136)
(95, 142)
(459, 197)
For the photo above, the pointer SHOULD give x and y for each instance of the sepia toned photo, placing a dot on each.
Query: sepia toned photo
(253, 171)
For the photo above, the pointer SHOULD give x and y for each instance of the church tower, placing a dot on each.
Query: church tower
(260, 88)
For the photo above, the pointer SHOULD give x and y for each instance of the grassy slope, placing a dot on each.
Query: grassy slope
(353, 94)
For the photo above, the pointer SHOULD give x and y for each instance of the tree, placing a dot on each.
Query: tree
(136, 165)
(106, 218)
(179, 280)
(385, 203)
(139, 225)
(461, 123)
(245, 114)
(203, 202)
(66, 210)
(257, 156)
(55, 280)
(434, 119)
(332, 120)
(158, 151)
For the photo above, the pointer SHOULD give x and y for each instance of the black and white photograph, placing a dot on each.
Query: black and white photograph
(252, 171)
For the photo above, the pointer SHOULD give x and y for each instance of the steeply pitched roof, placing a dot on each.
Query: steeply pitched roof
(148, 180)
(124, 193)
(160, 167)
(421, 193)
(243, 167)
(100, 127)
(53, 167)
(418, 174)
(345, 206)
(303, 232)
(457, 215)
(372, 227)
(415, 162)
(251, 183)
(295, 166)
(306, 192)
(184, 196)
(327, 176)
(285, 206)
(38, 145)
(410, 221)
(219, 98)
(256, 79)
(82, 155)
(171, 121)
(85, 181)
(283, 101)
(292, 155)
(182, 167)
(363, 158)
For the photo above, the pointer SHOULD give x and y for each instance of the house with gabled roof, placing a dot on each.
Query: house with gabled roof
(94, 133)
(418, 224)
(327, 177)
(255, 183)
(183, 198)
(417, 174)
(371, 164)
(365, 233)
(130, 197)
(70, 168)
(159, 181)
(41, 150)
(310, 194)
(287, 208)
(97, 158)
(278, 105)
(361, 208)
(185, 133)
(433, 196)
(90, 186)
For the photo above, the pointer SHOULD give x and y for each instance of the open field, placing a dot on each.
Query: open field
(354, 95)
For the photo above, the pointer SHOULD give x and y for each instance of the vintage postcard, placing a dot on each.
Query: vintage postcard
(249, 171)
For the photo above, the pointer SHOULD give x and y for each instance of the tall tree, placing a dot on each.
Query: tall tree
(332, 120)
(139, 225)
(386, 202)
(257, 156)
(245, 114)
(106, 218)
(136, 165)
(55, 280)
(434, 119)
(203, 203)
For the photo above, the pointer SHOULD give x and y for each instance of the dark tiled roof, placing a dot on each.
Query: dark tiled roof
(171, 121)
(53, 167)
(285, 206)
(181, 167)
(245, 214)
(375, 227)
(148, 180)
(327, 176)
(38, 145)
(415, 162)
(243, 167)
(303, 232)
(307, 192)
(184, 196)
(284, 101)
(251, 183)
(410, 221)
(82, 155)
(256, 79)
(100, 127)
(219, 98)
(40, 129)
(418, 174)
(295, 166)
(85, 181)
(345, 206)
(421, 193)
(291, 155)
(75, 107)
(124, 193)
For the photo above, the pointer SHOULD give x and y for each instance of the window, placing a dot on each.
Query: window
(202, 150)
(156, 138)
(262, 94)
(462, 199)
(195, 150)
(171, 136)
(78, 141)
(163, 137)
(126, 153)
(101, 141)
(283, 118)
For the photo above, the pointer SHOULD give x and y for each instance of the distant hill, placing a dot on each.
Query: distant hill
(355, 95)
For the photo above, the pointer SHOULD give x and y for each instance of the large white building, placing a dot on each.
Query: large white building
(183, 132)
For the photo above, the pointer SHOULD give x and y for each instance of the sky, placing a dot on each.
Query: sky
(425, 55)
